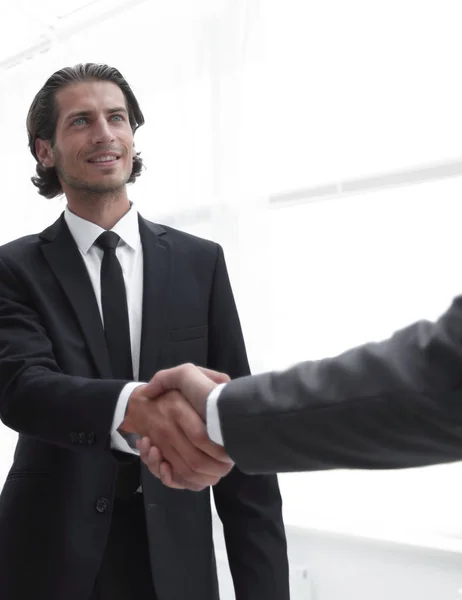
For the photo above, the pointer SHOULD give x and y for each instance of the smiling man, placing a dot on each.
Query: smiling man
(99, 301)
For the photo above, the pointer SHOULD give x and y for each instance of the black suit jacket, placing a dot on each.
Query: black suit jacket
(56, 391)
(387, 405)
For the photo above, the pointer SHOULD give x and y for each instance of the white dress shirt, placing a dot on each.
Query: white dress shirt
(130, 255)
(212, 416)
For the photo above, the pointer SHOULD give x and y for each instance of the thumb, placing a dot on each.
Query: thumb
(167, 379)
(195, 383)
(215, 376)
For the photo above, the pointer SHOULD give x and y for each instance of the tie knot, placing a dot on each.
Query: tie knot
(108, 240)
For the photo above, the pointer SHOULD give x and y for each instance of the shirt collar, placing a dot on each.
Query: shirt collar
(86, 233)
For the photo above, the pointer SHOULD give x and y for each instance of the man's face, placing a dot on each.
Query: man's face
(93, 148)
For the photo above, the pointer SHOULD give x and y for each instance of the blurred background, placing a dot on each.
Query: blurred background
(321, 144)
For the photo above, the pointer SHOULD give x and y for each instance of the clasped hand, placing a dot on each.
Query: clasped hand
(169, 414)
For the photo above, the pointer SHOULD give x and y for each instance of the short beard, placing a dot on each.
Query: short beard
(90, 190)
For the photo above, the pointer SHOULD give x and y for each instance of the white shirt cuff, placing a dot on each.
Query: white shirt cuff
(124, 443)
(213, 417)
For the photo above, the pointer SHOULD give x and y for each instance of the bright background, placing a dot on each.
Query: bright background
(320, 143)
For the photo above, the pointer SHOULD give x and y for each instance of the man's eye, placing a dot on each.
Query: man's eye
(117, 117)
(79, 121)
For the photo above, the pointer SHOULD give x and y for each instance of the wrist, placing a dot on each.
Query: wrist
(136, 402)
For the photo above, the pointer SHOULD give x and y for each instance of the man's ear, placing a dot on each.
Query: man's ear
(44, 153)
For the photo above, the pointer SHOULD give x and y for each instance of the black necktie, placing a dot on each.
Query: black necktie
(117, 333)
(115, 310)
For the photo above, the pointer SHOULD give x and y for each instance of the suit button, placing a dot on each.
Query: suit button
(91, 438)
(82, 437)
(102, 505)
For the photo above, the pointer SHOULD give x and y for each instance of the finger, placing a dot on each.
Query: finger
(179, 427)
(194, 445)
(215, 376)
(191, 468)
(163, 471)
(160, 469)
(163, 381)
(154, 460)
(174, 481)
(212, 453)
(186, 477)
(188, 379)
(195, 432)
(166, 474)
(195, 467)
(151, 456)
(168, 479)
(190, 465)
(150, 453)
(144, 446)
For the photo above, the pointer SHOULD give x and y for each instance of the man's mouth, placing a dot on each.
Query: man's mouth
(103, 159)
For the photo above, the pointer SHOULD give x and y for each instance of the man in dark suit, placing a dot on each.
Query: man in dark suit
(387, 405)
(89, 308)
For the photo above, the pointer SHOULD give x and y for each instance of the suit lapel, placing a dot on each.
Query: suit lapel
(69, 268)
(157, 274)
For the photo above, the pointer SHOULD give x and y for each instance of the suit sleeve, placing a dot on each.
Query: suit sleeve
(36, 398)
(249, 506)
(387, 405)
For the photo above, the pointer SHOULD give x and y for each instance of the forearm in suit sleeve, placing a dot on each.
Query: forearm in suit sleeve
(36, 399)
(249, 506)
(392, 404)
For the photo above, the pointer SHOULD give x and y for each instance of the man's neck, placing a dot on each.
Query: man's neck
(103, 210)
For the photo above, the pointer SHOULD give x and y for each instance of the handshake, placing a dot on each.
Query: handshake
(169, 415)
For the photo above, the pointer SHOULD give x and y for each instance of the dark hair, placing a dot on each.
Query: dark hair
(43, 116)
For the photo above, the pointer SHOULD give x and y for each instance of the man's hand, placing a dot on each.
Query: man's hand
(195, 384)
(172, 425)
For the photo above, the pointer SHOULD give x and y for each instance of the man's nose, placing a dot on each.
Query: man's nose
(102, 132)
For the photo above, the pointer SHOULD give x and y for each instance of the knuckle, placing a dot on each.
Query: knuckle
(194, 478)
(184, 471)
(186, 369)
(197, 437)
(177, 400)
(196, 462)
(177, 486)
(197, 486)
(200, 488)
(179, 482)
(163, 428)
(161, 401)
